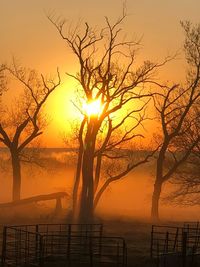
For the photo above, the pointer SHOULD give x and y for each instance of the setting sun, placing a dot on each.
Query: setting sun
(93, 108)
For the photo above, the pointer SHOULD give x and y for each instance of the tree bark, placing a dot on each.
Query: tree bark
(76, 183)
(155, 201)
(86, 205)
(159, 180)
(16, 190)
(87, 193)
(97, 172)
(75, 208)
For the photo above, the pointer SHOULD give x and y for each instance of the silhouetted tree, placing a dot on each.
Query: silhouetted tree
(175, 107)
(186, 181)
(107, 73)
(23, 122)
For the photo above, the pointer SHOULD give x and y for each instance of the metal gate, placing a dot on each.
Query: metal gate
(175, 246)
(51, 244)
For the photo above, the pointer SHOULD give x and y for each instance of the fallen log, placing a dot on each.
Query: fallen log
(57, 196)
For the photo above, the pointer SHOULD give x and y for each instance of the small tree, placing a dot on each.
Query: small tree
(175, 107)
(23, 122)
(114, 88)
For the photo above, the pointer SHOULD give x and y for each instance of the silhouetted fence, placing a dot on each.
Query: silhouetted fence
(176, 246)
(90, 251)
(44, 244)
(21, 247)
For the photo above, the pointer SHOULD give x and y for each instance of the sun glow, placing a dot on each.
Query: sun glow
(93, 108)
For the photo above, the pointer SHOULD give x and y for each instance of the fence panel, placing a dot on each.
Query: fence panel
(176, 246)
(45, 244)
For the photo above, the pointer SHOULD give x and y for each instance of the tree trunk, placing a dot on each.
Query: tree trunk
(155, 201)
(86, 205)
(159, 180)
(97, 172)
(76, 184)
(75, 208)
(87, 193)
(16, 190)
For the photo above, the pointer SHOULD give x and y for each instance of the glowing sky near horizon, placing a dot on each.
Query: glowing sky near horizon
(27, 34)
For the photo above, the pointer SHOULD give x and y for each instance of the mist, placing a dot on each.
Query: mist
(127, 199)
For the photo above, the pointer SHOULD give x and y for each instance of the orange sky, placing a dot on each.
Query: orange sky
(28, 35)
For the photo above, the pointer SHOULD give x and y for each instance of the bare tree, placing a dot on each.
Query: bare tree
(186, 181)
(107, 74)
(175, 107)
(186, 185)
(23, 121)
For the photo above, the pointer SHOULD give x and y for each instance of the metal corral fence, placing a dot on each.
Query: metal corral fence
(57, 244)
(176, 246)
(21, 248)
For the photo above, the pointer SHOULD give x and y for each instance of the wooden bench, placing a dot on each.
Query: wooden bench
(57, 196)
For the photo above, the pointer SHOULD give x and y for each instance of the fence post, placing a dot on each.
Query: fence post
(176, 240)
(124, 254)
(167, 242)
(118, 253)
(100, 241)
(3, 258)
(184, 248)
(91, 250)
(158, 254)
(36, 241)
(151, 252)
(41, 250)
(69, 243)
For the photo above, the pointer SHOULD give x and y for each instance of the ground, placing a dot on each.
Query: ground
(136, 233)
